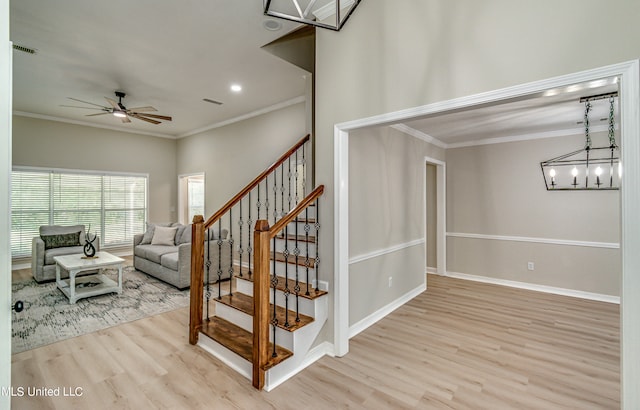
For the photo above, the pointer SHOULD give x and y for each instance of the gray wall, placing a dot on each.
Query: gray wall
(232, 156)
(498, 190)
(386, 209)
(397, 55)
(432, 216)
(51, 144)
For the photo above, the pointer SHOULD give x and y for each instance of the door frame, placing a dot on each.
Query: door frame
(629, 74)
(182, 198)
(441, 217)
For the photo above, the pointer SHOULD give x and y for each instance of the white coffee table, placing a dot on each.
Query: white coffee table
(89, 285)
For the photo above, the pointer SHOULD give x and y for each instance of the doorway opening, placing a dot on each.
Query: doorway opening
(191, 194)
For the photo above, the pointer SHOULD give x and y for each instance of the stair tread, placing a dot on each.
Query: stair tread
(244, 303)
(313, 294)
(279, 257)
(301, 238)
(239, 340)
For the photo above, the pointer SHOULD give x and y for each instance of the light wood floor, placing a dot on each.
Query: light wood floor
(460, 345)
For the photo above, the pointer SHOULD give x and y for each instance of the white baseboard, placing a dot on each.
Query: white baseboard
(315, 354)
(384, 311)
(535, 287)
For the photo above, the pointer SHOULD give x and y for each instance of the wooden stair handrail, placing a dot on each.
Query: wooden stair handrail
(214, 218)
(284, 221)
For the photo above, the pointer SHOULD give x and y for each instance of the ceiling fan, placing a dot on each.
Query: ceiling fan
(117, 109)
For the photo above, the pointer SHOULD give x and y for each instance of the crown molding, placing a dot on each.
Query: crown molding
(247, 116)
(88, 124)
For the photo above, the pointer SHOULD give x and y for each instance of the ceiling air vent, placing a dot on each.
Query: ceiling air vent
(209, 100)
(24, 49)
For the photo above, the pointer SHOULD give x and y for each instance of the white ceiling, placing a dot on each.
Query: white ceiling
(551, 113)
(167, 54)
(172, 54)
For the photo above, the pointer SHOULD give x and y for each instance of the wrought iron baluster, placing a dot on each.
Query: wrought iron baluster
(289, 197)
(208, 265)
(219, 258)
(296, 252)
(282, 190)
(266, 194)
(274, 285)
(304, 173)
(240, 250)
(275, 195)
(230, 250)
(258, 202)
(287, 292)
(249, 230)
(296, 175)
(316, 265)
(307, 262)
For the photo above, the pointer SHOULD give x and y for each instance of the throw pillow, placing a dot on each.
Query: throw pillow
(148, 234)
(61, 240)
(164, 236)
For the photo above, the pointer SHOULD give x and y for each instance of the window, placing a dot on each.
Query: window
(114, 206)
(195, 188)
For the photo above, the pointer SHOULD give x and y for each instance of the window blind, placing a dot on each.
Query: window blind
(111, 206)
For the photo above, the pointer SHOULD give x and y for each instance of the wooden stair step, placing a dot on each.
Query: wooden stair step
(313, 294)
(244, 303)
(279, 257)
(301, 238)
(239, 340)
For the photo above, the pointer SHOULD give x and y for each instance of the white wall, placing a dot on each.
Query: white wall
(386, 203)
(5, 208)
(43, 143)
(498, 190)
(232, 156)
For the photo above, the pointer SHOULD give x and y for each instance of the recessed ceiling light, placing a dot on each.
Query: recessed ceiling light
(236, 88)
(272, 25)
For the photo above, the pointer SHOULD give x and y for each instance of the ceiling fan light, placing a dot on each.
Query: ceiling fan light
(119, 114)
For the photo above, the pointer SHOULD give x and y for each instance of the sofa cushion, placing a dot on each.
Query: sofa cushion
(185, 235)
(164, 236)
(170, 260)
(154, 253)
(148, 234)
(61, 240)
(69, 250)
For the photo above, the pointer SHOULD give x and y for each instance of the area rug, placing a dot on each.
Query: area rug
(48, 317)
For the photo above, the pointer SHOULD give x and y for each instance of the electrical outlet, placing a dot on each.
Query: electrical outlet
(390, 281)
(530, 265)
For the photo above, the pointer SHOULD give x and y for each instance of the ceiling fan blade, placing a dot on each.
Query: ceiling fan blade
(100, 113)
(125, 119)
(160, 117)
(86, 102)
(84, 108)
(113, 103)
(144, 119)
(142, 109)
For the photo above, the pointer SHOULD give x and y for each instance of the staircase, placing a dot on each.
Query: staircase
(260, 309)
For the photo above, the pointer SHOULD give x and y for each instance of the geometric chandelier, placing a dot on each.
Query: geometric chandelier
(590, 168)
(331, 14)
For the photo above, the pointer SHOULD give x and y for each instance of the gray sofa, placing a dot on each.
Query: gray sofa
(60, 240)
(171, 262)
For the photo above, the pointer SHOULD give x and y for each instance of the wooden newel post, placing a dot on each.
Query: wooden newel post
(197, 275)
(260, 301)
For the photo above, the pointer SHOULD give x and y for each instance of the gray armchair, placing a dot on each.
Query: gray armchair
(58, 240)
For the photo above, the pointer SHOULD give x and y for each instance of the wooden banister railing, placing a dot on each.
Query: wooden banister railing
(261, 284)
(216, 253)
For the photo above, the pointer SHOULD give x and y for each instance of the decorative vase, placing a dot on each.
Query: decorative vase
(88, 249)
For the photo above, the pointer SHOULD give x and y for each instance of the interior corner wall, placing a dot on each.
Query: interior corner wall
(233, 155)
(386, 218)
(392, 56)
(497, 190)
(52, 144)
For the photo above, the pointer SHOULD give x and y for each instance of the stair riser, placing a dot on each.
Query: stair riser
(283, 338)
(290, 269)
(306, 306)
(291, 245)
